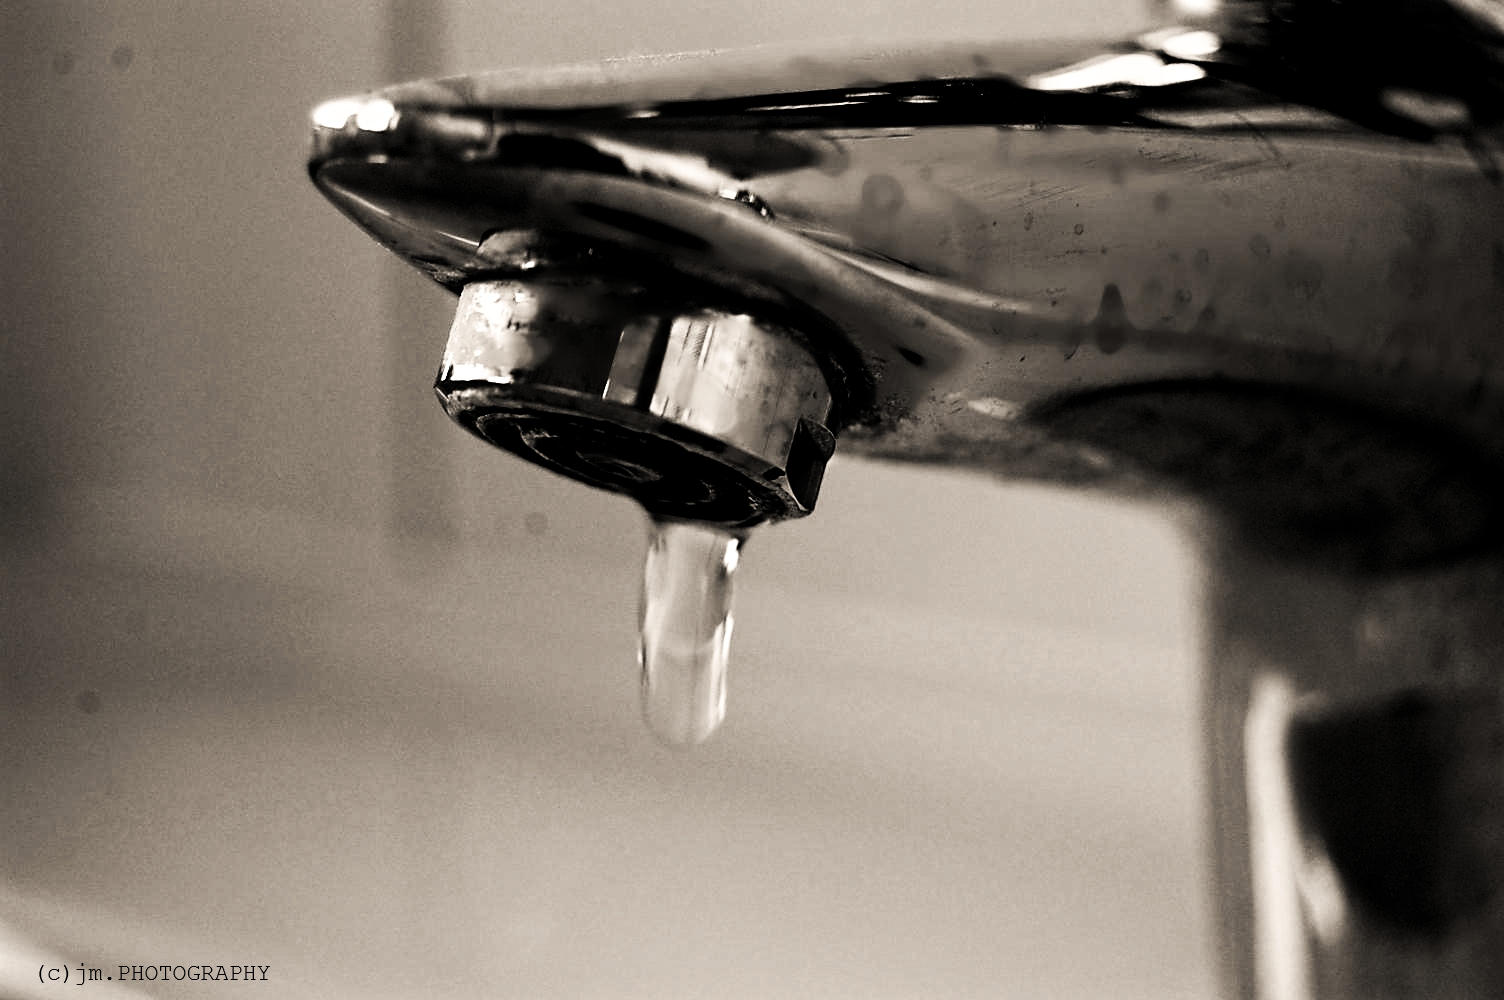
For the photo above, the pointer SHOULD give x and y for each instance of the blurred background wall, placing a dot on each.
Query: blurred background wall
(296, 674)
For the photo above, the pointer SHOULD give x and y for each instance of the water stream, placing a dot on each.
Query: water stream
(686, 628)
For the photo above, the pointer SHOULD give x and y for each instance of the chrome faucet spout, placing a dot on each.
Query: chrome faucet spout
(969, 254)
(1252, 259)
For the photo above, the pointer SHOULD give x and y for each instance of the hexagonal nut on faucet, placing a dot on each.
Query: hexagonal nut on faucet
(699, 414)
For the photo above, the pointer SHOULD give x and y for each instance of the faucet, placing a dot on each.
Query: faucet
(1249, 263)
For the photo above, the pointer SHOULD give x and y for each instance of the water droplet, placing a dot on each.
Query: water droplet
(686, 628)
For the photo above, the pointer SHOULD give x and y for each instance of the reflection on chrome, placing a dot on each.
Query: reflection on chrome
(369, 114)
(1321, 891)
(376, 116)
(1181, 43)
(1281, 959)
(1136, 69)
(1297, 890)
(336, 114)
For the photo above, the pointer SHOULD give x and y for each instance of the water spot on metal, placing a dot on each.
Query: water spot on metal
(1111, 326)
(88, 702)
(535, 523)
(1279, 223)
(1203, 259)
(1110, 339)
(122, 56)
(912, 357)
(1182, 297)
(1028, 221)
(62, 63)
(1174, 256)
(1079, 229)
(881, 195)
(1162, 202)
(1258, 245)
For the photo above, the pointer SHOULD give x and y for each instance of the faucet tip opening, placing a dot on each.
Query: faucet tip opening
(698, 414)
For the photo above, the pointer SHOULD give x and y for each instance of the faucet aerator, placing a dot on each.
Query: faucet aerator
(698, 413)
